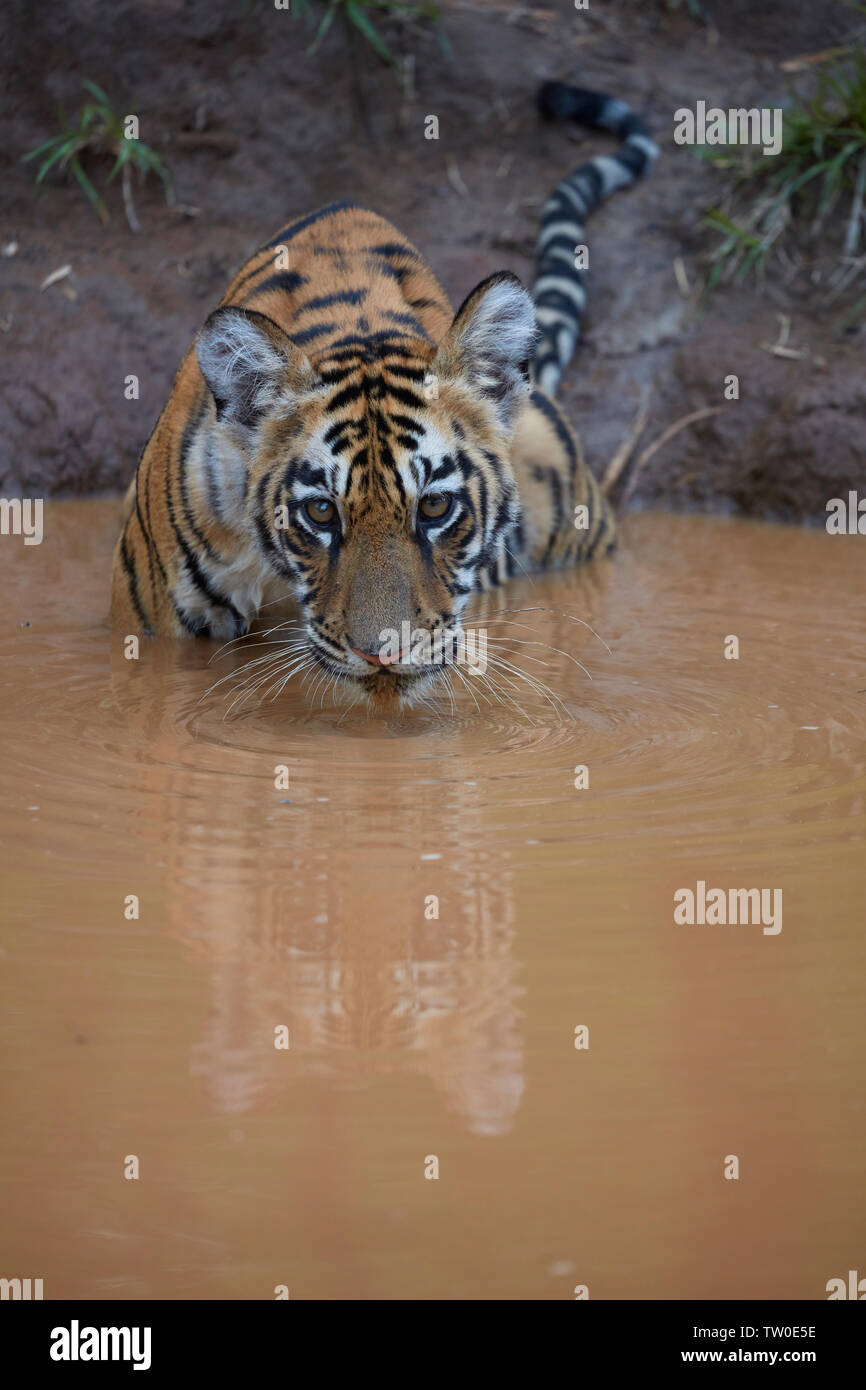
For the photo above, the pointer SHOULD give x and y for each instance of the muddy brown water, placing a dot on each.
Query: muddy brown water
(410, 1036)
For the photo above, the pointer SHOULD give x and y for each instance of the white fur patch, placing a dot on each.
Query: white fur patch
(216, 476)
(559, 284)
(550, 230)
(613, 174)
(239, 363)
(497, 341)
(503, 325)
(645, 144)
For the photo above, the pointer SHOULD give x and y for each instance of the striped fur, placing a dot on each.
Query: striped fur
(339, 440)
(559, 290)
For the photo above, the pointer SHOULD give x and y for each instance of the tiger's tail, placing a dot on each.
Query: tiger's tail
(559, 290)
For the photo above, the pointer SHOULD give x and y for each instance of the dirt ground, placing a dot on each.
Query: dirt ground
(256, 131)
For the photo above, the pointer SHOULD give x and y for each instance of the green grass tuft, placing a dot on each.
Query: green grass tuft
(358, 13)
(99, 130)
(820, 170)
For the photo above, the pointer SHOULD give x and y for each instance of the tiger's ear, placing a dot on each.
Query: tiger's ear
(489, 345)
(249, 364)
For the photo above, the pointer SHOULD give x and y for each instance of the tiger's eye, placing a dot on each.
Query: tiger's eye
(320, 510)
(434, 505)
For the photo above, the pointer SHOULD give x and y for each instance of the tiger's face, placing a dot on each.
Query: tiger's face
(377, 482)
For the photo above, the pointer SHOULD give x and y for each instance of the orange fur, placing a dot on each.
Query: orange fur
(368, 348)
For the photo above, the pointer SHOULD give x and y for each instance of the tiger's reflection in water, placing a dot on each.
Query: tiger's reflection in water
(365, 995)
(344, 957)
(311, 905)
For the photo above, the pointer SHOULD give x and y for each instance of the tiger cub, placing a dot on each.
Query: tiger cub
(338, 437)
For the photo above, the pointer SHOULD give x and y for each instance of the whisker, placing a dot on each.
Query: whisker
(550, 648)
(337, 681)
(535, 684)
(298, 666)
(494, 616)
(497, 641)
(518, 561)
(235, 641)
(271, 642)
(276, 681)
(573, 619)
(273, 672)
(503, 695)
(250, 665)
(495, 612)
(483, 686)
(323, 673)
(350, 707)
(465, 681)
(249, 688)
(285, 646)
(232, 675)
(446, 681)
